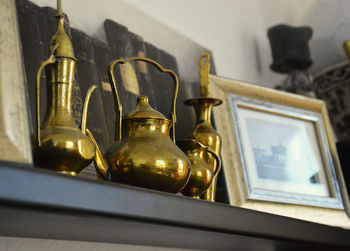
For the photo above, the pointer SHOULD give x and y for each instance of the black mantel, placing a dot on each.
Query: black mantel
(42, 204)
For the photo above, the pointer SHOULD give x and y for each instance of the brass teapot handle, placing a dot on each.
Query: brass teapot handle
(218, 163)
(118, 105)
(50, 60)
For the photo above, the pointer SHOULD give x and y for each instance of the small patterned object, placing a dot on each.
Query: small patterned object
(333, 86)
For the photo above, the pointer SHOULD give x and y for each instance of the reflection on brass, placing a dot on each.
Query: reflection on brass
(61, 146)
(202, 172)
(144, 154)
(204, 131)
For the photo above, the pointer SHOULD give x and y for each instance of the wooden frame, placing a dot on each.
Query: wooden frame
(14, 126)
(235, 173)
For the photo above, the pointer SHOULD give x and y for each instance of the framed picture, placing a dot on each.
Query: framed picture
(285, 153)
(15, 143)
(278, 153)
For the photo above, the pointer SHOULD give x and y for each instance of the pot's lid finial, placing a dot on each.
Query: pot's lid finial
(144, 110)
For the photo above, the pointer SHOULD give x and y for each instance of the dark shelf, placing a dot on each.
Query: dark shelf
(42, 204)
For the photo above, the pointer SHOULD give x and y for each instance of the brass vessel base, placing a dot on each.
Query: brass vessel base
(69, 173)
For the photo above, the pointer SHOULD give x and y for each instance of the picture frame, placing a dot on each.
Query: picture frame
(278, 153)
(15, 141)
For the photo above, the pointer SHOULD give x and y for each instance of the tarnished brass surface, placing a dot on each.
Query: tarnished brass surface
(144, 153)
(204, 131)
(147, 156)
(202, 173)
(61, 146)
(346, 46)
(118, 106)
(65, 48)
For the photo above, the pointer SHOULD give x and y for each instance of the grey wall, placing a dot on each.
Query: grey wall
(27, 244)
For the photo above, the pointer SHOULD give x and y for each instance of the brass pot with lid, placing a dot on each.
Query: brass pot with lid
(144, 153)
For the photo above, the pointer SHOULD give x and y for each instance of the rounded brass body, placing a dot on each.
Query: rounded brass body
(63, 147)
(147, 156)
(65, 150)
(60, 145)
(205, 134)
(202, 169)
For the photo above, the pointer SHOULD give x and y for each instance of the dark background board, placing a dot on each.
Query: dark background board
(118, 39)
(87, 76)
(156, 78)
(37, 25)
(103, 56)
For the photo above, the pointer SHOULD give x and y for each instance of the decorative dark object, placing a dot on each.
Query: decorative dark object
(290, 48)
(343, 149)
(291, 55)
(333, 86)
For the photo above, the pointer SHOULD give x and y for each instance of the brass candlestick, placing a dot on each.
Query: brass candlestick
(204, 131)
(61, 145)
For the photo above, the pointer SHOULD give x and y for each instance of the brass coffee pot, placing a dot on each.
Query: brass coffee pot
(202, 173)
(60, 145)
(204, 131)
(144, 153)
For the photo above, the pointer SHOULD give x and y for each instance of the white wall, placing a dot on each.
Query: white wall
(330, 20)
(235, 30)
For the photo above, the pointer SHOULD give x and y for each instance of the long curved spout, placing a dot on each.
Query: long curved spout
(99, 161)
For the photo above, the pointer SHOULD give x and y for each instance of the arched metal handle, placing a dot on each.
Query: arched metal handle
(85, 108)
(218, 163)
(118, 105)
(50, 60)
